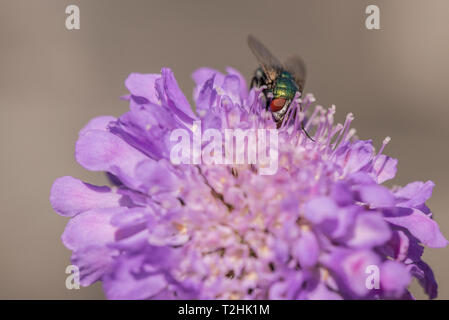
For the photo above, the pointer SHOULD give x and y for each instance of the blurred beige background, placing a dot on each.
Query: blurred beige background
(52, 81)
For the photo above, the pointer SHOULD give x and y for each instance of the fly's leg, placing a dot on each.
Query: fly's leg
(307, 134)
(255, 81)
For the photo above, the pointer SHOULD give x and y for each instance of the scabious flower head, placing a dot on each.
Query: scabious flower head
(321, 227)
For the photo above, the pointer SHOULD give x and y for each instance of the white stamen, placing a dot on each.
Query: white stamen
(384, 143)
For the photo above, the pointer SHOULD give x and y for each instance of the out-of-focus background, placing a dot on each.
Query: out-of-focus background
(52, 81)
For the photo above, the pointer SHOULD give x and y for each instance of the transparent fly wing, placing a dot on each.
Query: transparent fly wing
(269, 63)
(296, 66)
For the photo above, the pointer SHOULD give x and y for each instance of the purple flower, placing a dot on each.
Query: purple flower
(312, 230)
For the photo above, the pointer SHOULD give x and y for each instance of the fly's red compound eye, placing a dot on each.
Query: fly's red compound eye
(277, 104)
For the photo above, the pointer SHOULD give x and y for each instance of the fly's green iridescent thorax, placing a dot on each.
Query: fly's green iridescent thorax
(285, 86)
